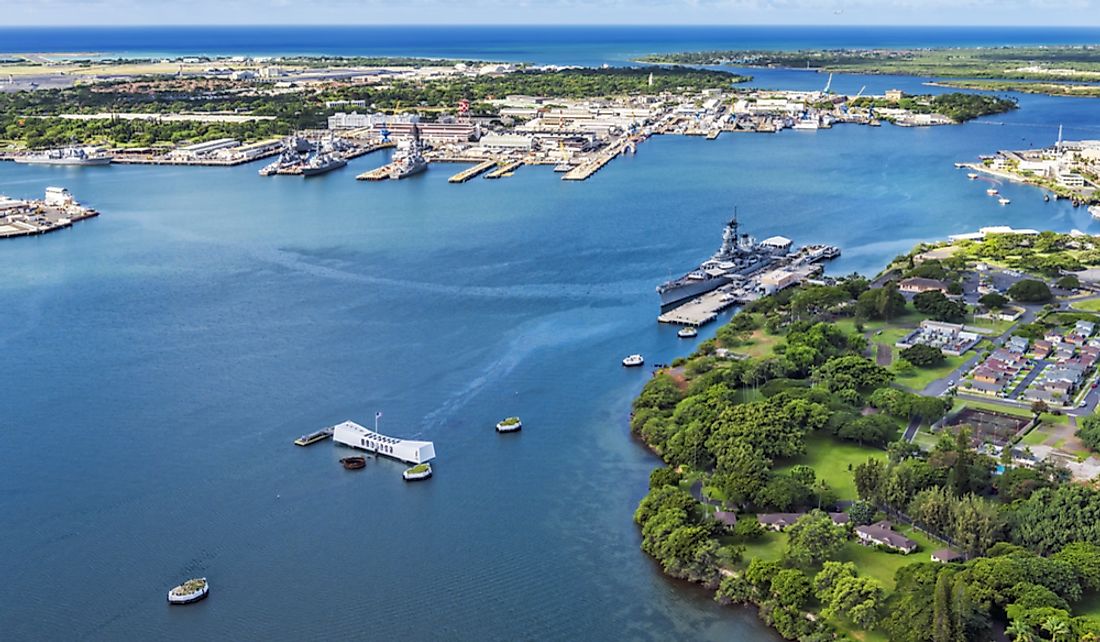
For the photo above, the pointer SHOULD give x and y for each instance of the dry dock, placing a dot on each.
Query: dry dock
(472, 172)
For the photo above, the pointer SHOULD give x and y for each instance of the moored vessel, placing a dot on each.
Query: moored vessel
(322, 163)
(190, 591)
(1003, 201)
(417, 473)
(511, 424)
(69, 156)
(687, 333)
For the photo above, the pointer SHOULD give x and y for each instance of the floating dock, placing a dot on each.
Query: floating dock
(505, 169)
(472, 172)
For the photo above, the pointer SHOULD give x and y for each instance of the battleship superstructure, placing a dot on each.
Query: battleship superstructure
(409, 158)
(739, 256)
(72, 156)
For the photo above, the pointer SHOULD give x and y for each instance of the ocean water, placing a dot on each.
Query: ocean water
(159, 360)
(520, 43)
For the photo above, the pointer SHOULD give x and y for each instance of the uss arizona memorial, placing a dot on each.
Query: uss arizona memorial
(352, 434)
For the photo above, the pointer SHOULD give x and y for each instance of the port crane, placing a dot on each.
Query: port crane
(828, 85)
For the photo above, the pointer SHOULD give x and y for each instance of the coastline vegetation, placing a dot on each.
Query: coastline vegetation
(1048, 88)
(1064, 63)
(811, 425)
(959, 107)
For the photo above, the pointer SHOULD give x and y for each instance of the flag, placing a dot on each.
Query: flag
(378, 415)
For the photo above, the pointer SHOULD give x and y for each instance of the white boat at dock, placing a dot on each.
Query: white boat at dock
(972, 176)
(687, 333)
(633, 361)
(190, 591)
(1094, 211)
(1003, 201)
(417, 473)
(511, 424)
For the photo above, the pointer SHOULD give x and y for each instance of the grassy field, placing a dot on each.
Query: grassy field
(831, 459)
(881, 565)
(921, 377)
(1089, 305)
(760, 345)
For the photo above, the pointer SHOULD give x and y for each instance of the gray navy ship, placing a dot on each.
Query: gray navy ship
(739, 256)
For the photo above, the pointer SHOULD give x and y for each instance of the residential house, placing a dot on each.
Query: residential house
(917, 284)
(946, 555)
(883, 534)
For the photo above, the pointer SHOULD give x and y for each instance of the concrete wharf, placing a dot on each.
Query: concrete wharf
(700, 311)
(363, 150)
(472, 172)
(505, 169)
(376, 174)
(588, 168)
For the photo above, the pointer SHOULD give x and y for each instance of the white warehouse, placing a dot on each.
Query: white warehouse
(352, 434)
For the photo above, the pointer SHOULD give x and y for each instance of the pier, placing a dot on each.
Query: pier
(588, 168)
(505, 170)
(701, 311)
(472, 172)
(377, 174)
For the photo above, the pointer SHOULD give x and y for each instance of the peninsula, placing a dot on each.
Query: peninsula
(901, 458)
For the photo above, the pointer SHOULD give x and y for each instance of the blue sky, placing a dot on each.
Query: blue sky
(802, 12)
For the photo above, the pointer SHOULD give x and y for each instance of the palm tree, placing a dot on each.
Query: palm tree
(1019, 631)
(1058, 628)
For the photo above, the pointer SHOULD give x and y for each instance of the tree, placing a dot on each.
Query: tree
(664, 477)
(1068, 282)
(748, 530)
(1089, 431)
(923, 356)
(869, 477)
(814, 538)
(1030, 291)
(859, 599)
(734, 589)
(829, 576)
(851, 372)
(943, 621)
(882, 303)
(1038, 407)
(861, 513)
(871, 429)
(1084, 557)
(791, 588)
(993, 300)
(1054, 517)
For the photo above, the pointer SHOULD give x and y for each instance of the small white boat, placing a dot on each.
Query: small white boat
(511, 424)
(563, 167)
(687, 333)
(991, 191)
(972, 176)
(1003, 201)
(417, 472)
(190, 591)
(633, 361)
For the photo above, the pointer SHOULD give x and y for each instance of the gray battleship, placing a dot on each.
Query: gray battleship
(739, 256)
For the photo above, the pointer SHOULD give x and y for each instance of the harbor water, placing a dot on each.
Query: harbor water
(159, 360)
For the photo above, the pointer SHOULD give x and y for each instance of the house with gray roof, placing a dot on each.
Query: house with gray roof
(883, 534)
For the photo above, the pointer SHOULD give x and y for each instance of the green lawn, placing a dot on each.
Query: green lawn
(1089, 606)
(760, 344)
(1091, 305)
(882, 566)
(830, 459)
(921, 377)
(770, 546)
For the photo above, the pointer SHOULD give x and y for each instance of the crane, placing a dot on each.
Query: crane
(828, 85)
(861, 90)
